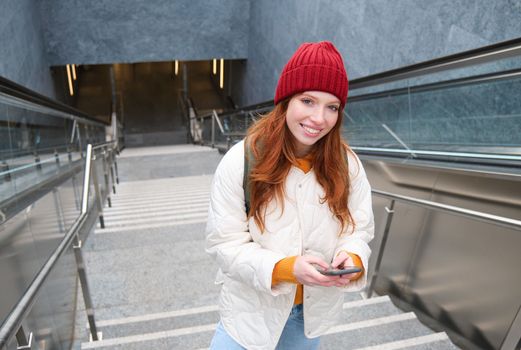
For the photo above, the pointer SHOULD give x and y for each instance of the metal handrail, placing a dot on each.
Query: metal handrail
(467, 213)
(20, 92)
(484, 54)
(103, 145)
(512, 336)
(86, 180)
(472, 80)
(472, 214)
(488, 156)
(14, 320)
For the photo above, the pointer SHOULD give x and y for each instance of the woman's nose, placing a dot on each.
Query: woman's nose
(318, 116)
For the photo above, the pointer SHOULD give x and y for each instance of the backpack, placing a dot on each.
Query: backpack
(248, 165)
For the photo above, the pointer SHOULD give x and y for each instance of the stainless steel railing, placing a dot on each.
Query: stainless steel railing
(506, 49)
(12, 326)
(514, 332)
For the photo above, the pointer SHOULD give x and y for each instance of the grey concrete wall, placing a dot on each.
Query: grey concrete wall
(372, 35)
(117, 31)
(22, 50)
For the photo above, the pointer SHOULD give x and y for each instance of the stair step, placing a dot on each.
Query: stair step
(165, 198)
(368, 322)
(438, 341)
(354, 310)
(364, 309)
(166, 324)
(139, 238)
(182, 338)
(374, 332)
(200, 336)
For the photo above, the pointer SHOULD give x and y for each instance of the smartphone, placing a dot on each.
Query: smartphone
(339, 272)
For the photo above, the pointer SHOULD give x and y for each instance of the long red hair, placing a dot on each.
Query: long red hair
(272, 145)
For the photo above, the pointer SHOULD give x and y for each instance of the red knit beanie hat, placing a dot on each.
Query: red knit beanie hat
(314, 67)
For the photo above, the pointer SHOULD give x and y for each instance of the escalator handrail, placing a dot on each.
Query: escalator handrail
(467, 213)
(467, 155)
(490, 77)
(15, 90)
(483, 54)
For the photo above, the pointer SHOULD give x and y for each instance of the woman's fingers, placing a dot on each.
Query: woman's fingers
(305, 270)
(339, 259)
(343, 281)
(310, 259)
(308, 274)
(342, 259)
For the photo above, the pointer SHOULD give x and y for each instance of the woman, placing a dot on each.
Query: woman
(309, 209)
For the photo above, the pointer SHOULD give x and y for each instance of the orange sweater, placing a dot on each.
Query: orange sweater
(283, 270)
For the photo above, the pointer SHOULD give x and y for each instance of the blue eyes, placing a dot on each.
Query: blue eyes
(309, 102)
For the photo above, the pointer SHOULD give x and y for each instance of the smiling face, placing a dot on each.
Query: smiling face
(310, 116)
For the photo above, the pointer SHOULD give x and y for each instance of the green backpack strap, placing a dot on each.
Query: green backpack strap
(248, 165)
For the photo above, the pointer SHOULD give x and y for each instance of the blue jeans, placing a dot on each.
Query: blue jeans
(292, 336)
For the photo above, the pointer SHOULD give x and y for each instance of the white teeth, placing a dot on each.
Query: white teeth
(311, 131)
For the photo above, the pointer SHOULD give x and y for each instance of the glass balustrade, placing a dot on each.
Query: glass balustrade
(469, 114)
(38, 143)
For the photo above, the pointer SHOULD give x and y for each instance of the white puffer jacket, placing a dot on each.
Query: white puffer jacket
(252, 312)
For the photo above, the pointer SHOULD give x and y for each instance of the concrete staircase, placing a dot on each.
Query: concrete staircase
(368, 324)
(152, 282)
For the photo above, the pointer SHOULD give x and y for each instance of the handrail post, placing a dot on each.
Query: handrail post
(82, 274)
(116, 171)
(219, 124)
(4, 167)
(77, 199)
(104, 160)
(389, 218)
(112, 159)
(57, 158)
(213, 130)
(80, 264)
(98, 196)
(23, 342)
(59, 209)
(86, 180)
(37, 161)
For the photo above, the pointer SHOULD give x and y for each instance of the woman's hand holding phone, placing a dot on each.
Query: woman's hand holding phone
(306, 271)
(344, 261)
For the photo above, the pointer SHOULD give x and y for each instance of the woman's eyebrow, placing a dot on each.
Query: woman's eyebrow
(316, 98)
